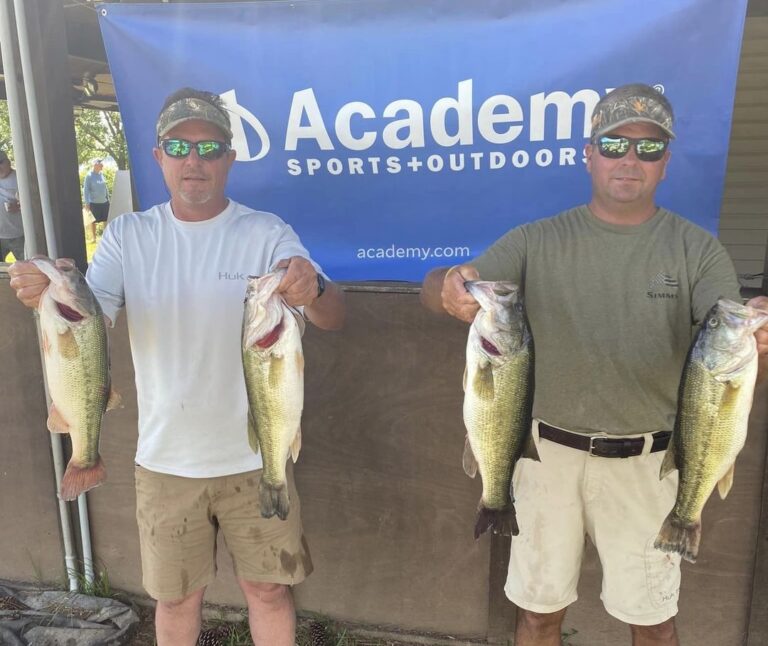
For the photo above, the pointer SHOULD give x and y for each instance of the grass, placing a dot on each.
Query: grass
(90, 247)
(99, 587)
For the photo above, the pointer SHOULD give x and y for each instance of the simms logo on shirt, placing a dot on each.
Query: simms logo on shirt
(663, 286)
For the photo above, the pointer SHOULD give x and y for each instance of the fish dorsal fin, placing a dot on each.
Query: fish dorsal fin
(115, 400)
(669, 463)
(296, 445)
(56, 423)
(726, 482)
(468, 460)
(530, 451)
(253, 438)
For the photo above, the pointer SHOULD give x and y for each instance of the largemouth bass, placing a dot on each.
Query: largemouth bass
(498, 399)
(76, 356)
(274, 378)
(714, 401)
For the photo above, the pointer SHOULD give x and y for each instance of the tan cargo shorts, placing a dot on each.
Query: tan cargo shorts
(178, 522)
(620, 503)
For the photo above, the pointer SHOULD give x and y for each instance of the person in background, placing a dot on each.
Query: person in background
(11, 228)
(180, 270)
(612, 289)
(96, 196)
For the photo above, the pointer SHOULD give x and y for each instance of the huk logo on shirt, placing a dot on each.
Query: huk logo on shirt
(232, 275)
(663, 286)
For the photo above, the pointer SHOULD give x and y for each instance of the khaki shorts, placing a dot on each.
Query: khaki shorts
(620, 503)
(178, 521)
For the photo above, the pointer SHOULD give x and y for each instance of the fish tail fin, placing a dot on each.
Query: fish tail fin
(77, 479)
(274, 500)
(679, 537)
(499, 521)
(726, 482)
(468, 461)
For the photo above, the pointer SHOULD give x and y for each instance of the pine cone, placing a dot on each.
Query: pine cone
(214, 636)
(317, 634)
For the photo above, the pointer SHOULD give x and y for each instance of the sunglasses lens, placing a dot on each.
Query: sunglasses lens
(176, 147)
(650, 149)
(210, 149)
(613, 147)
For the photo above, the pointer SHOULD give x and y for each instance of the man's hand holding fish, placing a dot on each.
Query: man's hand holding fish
(303, 286)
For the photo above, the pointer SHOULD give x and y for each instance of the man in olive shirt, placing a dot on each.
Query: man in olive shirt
(612, 290)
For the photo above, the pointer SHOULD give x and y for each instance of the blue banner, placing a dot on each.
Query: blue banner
(396, 135)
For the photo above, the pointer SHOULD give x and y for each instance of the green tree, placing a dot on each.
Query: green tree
(99, 133)
(5, 130)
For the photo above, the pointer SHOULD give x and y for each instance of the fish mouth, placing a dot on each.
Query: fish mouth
(71, 315)
(271, 337)
(493, 295)
(744, 317)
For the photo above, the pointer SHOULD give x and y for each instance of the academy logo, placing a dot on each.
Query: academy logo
(410, 137)
(239, 140)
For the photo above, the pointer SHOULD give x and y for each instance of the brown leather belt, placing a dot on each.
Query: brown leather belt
(603, 447)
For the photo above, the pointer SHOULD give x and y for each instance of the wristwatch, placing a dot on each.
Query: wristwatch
(320, 285)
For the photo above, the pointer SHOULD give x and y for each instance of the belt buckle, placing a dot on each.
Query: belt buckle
(592, 439)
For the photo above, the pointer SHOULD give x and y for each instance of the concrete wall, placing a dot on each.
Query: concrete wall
(30, 544)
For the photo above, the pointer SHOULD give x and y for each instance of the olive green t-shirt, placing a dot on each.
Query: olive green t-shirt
(612, 310)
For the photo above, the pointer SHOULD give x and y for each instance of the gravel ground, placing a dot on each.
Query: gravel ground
(334, 634)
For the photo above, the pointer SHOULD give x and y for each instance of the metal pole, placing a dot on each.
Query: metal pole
(18, 133)
(15, 109)
(50, 233)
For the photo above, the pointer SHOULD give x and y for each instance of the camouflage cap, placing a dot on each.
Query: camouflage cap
(193, 108)
(634, 103)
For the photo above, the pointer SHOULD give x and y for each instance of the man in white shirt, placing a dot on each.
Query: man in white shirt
(180, 270)
(11, 228)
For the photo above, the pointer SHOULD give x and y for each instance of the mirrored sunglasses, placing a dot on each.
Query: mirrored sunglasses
(647, 149)
(180, 148)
